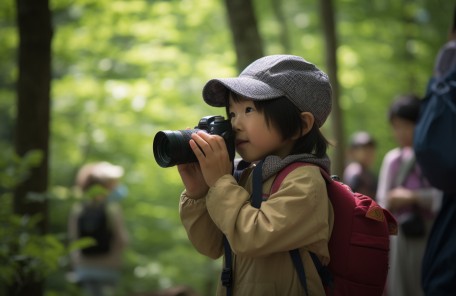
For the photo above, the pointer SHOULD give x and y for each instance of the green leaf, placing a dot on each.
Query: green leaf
(33, 158)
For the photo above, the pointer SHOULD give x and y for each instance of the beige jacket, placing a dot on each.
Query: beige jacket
(298, 215)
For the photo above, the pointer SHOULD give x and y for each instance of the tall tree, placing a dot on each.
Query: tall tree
(329, 27)
(33, 116)
(277, 8)
(244, 28)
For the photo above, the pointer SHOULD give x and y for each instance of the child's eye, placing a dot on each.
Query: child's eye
(231, 115)
(249, 109)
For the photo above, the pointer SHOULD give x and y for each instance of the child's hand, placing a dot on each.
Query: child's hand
(193, 180)
(212, 155)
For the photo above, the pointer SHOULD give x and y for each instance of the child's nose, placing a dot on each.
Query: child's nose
(235, 123)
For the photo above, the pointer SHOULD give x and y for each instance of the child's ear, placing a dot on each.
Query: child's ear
(308, 121)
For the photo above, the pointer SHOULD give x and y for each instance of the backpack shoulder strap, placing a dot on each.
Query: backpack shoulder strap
(323, 272)
(291, 167)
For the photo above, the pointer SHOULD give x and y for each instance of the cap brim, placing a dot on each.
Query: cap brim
(215, 91)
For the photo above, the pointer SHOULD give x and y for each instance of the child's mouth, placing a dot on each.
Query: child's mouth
(240, 142)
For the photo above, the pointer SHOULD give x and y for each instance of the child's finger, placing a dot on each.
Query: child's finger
(202, 140)
(196, 149)
(214, 141)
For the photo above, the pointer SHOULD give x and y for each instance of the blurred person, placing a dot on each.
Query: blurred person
(403, 190)
(358, 173)
(439, 262)
(97, 268)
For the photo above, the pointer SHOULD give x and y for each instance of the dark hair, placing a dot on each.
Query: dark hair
(405, 107)
(286, 117)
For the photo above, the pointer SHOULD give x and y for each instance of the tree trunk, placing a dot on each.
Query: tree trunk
(277, 8)
(244, 28)
(33, 114)
(327, 15)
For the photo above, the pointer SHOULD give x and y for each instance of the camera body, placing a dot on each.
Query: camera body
(172, 147)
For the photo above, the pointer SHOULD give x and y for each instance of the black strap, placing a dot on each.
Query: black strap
(257, 184)
(256, 199)
(323, 271)
(239, 167)
(227, 272)
(297, 262)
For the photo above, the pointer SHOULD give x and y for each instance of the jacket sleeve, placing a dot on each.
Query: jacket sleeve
(298, 215)
(201, 230)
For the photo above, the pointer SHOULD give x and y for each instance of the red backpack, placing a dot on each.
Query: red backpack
(359, 243)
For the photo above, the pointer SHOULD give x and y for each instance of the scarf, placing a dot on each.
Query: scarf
(273, 164)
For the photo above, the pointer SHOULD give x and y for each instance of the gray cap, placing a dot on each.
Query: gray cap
(275, 76)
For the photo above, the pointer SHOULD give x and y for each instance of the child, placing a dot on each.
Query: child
(276, 107)
(358, 173)
(403, 190)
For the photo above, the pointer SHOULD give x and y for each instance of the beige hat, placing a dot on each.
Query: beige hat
(97, 173)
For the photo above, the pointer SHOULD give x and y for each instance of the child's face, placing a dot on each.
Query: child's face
(403, 131)
(254, 139)
(365, 155)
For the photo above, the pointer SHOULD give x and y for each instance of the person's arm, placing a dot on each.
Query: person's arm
(213, 163)
(201, 230)
(426, 198)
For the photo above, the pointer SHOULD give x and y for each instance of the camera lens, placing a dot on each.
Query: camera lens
(172, 147)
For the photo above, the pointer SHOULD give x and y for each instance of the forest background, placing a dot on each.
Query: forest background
(124, 70)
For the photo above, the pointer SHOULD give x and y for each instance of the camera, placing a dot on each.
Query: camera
(172, 147)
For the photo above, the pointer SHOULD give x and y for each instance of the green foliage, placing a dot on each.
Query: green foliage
(123, 70)
(24, 252)
(109, 100)
(16, 169)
